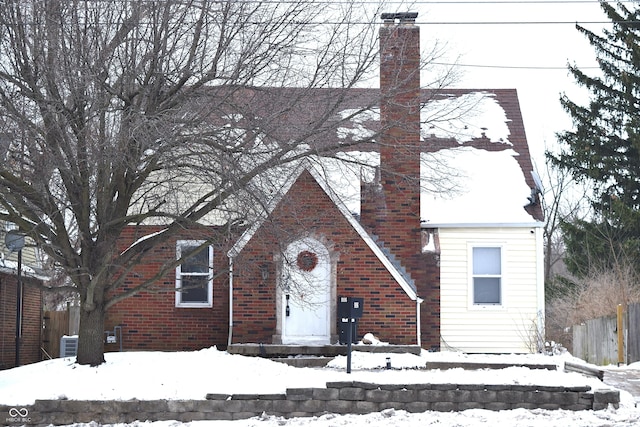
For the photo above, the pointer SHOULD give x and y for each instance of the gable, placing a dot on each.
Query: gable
(298, 186)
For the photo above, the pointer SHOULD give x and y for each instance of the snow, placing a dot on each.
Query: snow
(191, 375)
(464, 118)
(12, 267)
(358, 132)
(143, 238)
(491, 182)
(452, 180)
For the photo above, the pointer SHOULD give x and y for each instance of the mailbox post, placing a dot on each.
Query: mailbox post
(349, 311)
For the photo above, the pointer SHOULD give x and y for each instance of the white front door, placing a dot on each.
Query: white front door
(306, 293)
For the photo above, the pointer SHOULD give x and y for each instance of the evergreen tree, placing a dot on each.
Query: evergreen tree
(604, 147)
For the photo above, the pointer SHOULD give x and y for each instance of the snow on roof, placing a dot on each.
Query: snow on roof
(476, 162)
(471, 165)
(465, 117)
(460, 185)
(485, 187)
(11, 267)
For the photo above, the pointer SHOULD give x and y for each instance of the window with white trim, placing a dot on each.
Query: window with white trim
(194, 276)
(487, 275)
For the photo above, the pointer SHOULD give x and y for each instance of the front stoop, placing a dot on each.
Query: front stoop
(329, 350)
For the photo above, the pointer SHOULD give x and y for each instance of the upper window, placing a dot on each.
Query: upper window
(194, 276)
(487, 275)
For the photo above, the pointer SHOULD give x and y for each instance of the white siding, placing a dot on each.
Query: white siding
(509, 327)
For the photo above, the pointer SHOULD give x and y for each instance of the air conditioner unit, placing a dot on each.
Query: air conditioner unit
(68, 345)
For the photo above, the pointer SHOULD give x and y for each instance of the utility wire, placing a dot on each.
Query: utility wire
(510, 67)
(635, 23)
(516, 67)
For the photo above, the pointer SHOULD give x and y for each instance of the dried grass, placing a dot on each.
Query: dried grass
(595, 296)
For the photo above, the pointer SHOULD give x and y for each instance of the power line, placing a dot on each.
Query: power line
(522, 22)
(510, 2)
(442, 2)
(509, 67)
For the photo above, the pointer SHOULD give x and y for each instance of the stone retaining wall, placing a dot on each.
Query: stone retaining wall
(338, 397)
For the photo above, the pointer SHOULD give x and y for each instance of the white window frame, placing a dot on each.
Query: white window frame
(209, 274)
(472, 276)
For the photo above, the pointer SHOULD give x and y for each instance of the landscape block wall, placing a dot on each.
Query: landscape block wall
(338, 398)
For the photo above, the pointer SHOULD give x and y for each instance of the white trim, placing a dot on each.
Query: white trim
(418, 323)
(470, 276)
(209, 275)
(537, 224)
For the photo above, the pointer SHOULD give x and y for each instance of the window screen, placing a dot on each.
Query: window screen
(487, 275)
(193, 276)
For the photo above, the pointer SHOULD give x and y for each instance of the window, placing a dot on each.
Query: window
(194, 277)
(487, 275)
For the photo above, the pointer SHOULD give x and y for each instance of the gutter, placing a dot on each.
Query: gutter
(540, 287)
(229, 340)
(418, 322)
(536, 224)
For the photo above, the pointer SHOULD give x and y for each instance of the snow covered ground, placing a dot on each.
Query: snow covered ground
(191, 375)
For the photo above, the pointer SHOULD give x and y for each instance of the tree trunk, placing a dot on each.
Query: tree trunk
(91, 336)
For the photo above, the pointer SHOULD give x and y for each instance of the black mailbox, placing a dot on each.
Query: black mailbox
(349, 311)
(350, 307)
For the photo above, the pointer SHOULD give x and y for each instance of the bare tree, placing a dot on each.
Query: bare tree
(123, 112)
(563, 200)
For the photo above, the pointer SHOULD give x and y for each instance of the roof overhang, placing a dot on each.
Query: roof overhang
(537, 224)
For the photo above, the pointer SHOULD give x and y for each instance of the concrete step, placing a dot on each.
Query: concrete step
(332, 350)
(487, 365)
(304, 361)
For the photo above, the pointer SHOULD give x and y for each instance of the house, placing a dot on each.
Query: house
(438, 231)
(21, 301)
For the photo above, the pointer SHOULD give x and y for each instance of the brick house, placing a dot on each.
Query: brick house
(433, 270)
(31, 280)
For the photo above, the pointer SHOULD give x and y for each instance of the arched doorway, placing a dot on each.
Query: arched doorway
(305, 293)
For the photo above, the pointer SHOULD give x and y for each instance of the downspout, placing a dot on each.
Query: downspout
(229, 340)
(418, 321)
(540, 287)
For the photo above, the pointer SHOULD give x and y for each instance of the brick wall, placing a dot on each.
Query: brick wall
(307, 210)
(151, 321)
(31, 321)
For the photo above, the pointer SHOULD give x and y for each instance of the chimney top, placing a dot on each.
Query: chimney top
(403, 17)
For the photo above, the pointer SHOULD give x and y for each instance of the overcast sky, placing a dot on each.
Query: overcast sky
(524, 45)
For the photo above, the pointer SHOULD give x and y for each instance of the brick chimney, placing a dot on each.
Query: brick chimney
(390, 205)
(399, 225)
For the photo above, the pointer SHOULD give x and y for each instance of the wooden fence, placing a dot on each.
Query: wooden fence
(596, 340)
(57, 324)
(633, 333)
